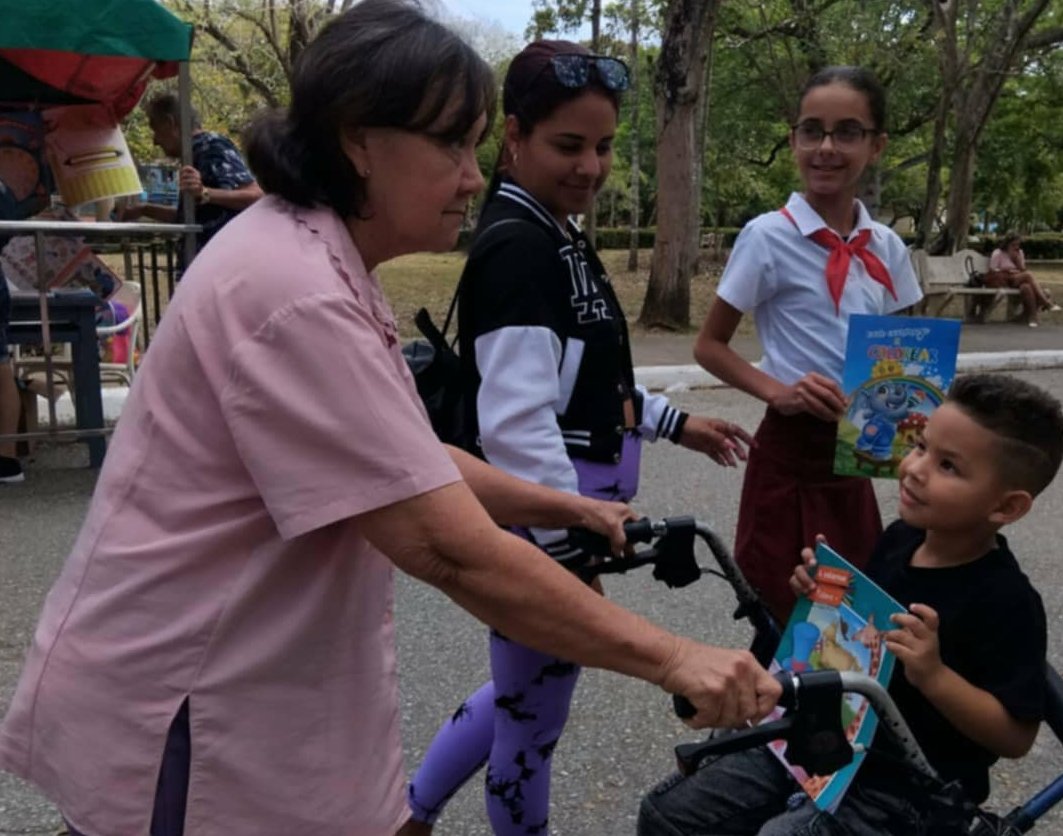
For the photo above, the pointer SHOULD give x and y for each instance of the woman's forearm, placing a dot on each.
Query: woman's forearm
(444, 538)
(512, 501)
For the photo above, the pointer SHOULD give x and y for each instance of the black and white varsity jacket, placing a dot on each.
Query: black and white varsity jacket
(545, 352)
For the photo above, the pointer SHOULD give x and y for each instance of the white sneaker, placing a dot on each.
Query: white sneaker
(1032, 324)
(1055, 308)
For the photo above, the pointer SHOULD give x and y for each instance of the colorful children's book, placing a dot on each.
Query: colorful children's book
(897, 370)
(840, 627)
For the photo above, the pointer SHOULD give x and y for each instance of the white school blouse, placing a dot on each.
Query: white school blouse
(776, 272)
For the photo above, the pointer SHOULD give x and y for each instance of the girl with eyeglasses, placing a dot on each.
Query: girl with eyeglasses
(801, 272)
(550, 384)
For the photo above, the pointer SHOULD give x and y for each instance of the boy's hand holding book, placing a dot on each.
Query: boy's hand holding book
(915, 643)
(802, 581)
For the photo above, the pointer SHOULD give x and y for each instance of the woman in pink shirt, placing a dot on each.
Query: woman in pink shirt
(217, 654)
(1007, 268)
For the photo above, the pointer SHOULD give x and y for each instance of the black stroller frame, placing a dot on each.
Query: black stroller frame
(812, 724)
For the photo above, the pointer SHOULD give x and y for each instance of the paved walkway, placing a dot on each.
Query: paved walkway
(659, 348)
(665, 361)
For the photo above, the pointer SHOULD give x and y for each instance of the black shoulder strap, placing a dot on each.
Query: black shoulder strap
(457, 290)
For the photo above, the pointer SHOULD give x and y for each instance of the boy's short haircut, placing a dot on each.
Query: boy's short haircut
(1027, 421)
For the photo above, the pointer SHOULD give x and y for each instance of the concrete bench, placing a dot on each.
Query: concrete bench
(944, 278)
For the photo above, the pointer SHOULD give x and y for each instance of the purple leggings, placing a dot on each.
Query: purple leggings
(512, 723)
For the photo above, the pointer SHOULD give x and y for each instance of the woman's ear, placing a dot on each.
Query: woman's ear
(511, 137)
(356, 149)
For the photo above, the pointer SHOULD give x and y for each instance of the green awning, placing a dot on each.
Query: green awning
(131, 28)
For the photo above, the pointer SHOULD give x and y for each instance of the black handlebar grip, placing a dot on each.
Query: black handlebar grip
(684, 708)
(639, 531)
(789, 688)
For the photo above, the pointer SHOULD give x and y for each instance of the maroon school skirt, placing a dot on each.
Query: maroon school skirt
(789, 495)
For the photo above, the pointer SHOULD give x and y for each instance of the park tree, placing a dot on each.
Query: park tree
(257, 41)
(634, 25)
(980, 44)
(1018, 182)
(679, 85)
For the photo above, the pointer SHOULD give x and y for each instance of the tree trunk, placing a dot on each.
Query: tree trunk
(633, 244)
(976, 81)
(933, 177)
(590, 226)
(703, 122)
(961, 191)
(680, 75)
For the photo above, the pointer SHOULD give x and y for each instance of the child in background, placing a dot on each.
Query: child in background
(802, 272)
(970, 678)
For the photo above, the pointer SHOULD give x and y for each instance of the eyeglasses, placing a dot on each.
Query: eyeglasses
(845, 136)
(573, 70)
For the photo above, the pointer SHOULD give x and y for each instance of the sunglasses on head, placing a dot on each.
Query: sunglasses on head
(573, 70)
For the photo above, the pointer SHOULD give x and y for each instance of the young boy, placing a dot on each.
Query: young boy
(971, 648)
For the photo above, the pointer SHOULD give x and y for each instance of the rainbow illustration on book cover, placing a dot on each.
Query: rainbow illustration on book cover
(839, 626)
(897, 370)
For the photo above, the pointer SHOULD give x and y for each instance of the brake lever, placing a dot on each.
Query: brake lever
(688, 756)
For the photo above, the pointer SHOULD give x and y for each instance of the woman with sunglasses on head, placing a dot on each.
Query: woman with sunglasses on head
(802, 271)
(547, 361)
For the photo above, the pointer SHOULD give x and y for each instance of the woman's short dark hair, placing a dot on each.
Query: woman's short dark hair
(1010, 238)
(860, 79)
(531, 91)
(383, 63)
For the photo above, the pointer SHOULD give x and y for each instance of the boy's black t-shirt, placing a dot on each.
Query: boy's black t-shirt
(991, 632)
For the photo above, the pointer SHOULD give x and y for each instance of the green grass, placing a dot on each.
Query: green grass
(428, 280)
(416, 281)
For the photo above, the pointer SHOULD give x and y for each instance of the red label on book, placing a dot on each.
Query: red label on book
(834, 575)
(828, 593)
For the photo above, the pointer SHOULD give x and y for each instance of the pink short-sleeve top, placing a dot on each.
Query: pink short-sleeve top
(1002, 260)
(221, 559)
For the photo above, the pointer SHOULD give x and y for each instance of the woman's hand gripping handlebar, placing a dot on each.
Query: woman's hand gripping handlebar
(730, 687)
(812, 726)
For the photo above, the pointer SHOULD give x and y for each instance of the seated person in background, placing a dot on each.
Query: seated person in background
(218, 180)
(970, 679)
(1007, 268)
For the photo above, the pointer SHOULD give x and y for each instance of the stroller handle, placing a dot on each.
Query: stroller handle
(812, 725)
